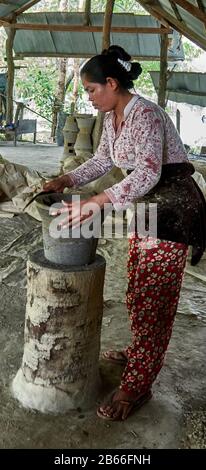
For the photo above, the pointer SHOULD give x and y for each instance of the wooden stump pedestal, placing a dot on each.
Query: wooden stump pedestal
(59, 370)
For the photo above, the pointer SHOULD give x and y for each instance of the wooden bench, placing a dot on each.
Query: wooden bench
(24, 126)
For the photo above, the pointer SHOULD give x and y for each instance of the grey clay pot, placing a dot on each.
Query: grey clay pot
(64, 247)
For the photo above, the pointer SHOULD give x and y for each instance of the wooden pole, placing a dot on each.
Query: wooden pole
(163, 71)
(25, 7)
(79, 28)
(105, 44)
(10, 64)
(178, 120)
(87, 12)
(107, 24)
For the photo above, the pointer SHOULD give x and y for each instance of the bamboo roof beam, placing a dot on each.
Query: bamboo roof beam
(83, 28)
(22, 55)
(28, 5)
(192, 9)
(8, 2)
(175, 9)
(201, 6)
(155, 10)
(185, 92)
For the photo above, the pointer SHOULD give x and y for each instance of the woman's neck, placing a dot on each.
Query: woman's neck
(122, 102)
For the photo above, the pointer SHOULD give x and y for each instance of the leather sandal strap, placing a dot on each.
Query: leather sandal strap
(124, 402)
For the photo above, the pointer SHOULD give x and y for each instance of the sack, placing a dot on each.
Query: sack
(19, 184)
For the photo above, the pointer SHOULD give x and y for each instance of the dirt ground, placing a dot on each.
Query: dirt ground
(174, 418)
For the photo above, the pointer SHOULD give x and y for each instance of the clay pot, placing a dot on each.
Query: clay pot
(70, 132)
(65, 246)
(83, 145)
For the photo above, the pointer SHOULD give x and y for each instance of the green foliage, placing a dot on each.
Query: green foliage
(39, 84)
(45, 5)
(191, 51)
(144, 83)
(120, 6)
(131, 6)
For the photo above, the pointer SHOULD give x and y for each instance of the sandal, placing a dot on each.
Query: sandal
(117, 357)
(119, 410)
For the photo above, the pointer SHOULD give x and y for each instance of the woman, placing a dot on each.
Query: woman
(138, 136)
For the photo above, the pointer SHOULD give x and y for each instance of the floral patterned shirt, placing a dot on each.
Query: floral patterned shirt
(145, 140)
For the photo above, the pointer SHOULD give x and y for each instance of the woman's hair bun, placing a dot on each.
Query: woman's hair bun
(117, 52)
(136, 70)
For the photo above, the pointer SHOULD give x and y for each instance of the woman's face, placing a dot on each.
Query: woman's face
(103, 97)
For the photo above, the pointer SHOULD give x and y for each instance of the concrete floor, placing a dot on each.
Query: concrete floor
(42, 157)
(174, 418)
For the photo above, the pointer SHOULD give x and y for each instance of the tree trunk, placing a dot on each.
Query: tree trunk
(64, 5)
(62, 68)
(60, 93)
(75, 85)
(84, 5)
(59, 368)
(10, 80)
(71, 74)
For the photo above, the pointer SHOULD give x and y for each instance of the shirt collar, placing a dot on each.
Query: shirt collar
(127, 110)
(130, 105)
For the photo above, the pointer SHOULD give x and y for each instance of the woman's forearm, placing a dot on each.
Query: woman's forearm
(101, 199)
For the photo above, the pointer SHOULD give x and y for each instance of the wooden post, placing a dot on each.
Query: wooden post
(163, 71)
(59, 370)
(105, 44)
(10, 86)
(178, 120)
(107, 24)
(87, 11)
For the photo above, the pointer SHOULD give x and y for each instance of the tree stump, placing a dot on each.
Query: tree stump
(59, 370)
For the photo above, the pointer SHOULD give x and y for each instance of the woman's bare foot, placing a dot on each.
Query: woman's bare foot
(117, 357)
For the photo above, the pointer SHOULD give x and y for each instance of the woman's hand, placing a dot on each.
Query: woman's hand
(58, 184)
(77, 212)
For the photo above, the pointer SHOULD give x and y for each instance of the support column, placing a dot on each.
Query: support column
(178, 120)
(10, 80)
(105, 44)
(59, 370)
(163, 71)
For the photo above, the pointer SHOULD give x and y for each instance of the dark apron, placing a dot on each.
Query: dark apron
(181, 208)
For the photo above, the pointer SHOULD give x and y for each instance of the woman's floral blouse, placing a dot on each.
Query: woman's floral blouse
(145, 140)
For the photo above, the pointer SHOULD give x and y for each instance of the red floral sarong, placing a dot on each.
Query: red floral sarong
(155, 275)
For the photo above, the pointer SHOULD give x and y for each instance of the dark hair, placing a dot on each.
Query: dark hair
(112, 62)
